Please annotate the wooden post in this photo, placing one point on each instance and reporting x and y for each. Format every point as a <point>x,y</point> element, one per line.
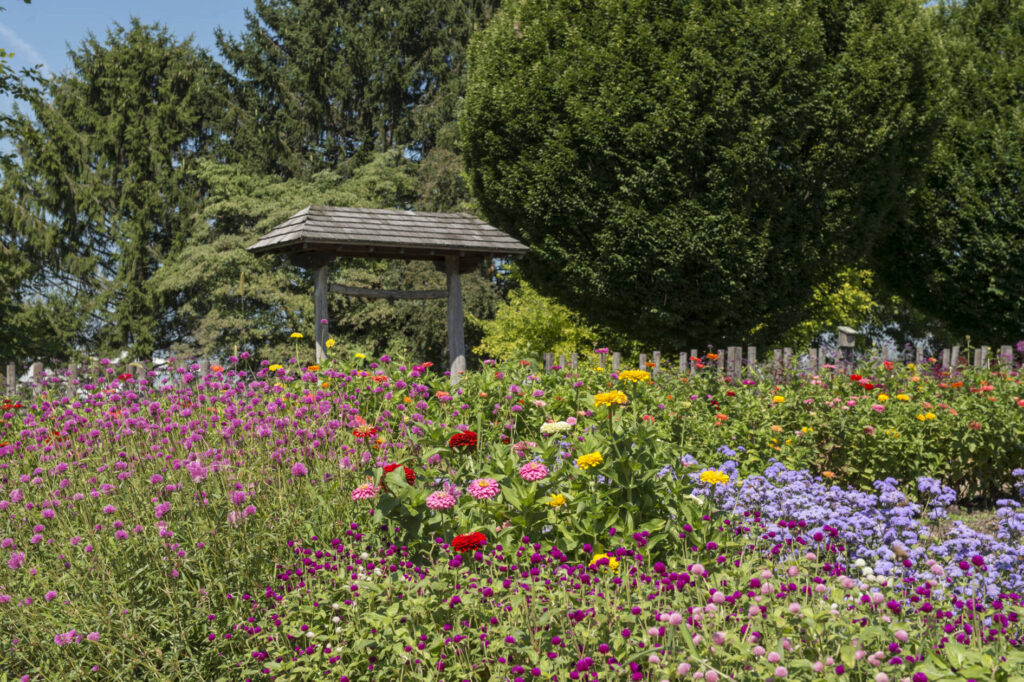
<point>561,362</point>
<point>456,339</point>
<point>693,364</point>
<point>945,358</point>
<point>721,360</point>
<point>549,360</point>
<point>777,362</point>
<point>601,360</point>
<point>954,356</point>
<point>657,362</point>
<point>320,326</point>
<point>72,379</point>
<point>574,361</point>
<point>683,360</point>
<point>12,378</point>
<point>616,359</point>
<point>751,358</point>
<point>733,362</point>
<point>984,357</point>
<point>918,355</point>
<point>1006,356</point>
<point>643,362</point>
<point>787,358</point>
<point>812,361</point>
<point>37,377</point>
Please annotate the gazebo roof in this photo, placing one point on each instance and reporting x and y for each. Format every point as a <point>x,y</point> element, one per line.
<point>377,233</point>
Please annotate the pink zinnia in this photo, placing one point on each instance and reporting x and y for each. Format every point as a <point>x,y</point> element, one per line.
<point>440,500</point>
<point>533,471</point>
<point>366,491</point>
<point>483,488</point>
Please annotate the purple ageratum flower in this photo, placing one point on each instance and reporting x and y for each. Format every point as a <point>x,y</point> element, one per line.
<point>299,469</point>
<point>483,488</point>
<point>532,471</point>
<point>440,500</point>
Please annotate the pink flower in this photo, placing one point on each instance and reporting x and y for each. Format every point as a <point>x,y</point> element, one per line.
<point>299,469</point>
<point>878,408</point>
<point>781,672</point>
<point>440,500</point>
<point>483,488</point>
<point>366,491</point>
<point>533,471</point>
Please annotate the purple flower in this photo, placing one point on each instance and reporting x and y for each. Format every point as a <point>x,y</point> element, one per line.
<point>299,469</point>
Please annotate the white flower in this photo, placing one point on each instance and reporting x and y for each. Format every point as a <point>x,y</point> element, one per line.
<point>860,563</point>
<point>548,428</point>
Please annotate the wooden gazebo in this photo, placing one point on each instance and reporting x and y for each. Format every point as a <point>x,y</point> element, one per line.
<point>457,242</point>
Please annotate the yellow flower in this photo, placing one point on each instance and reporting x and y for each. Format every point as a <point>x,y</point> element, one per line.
<point>296,335</point>
<point>360,356</point>
<point>599,369</point>
<point>610,398</point>
<point>779,399</point>
<point>714,477</point>
<point>882,397</point>
<point>635,375</point>
<point>910,365</point>
<point>589,460</point>
<point>556,501</point>
<point>921,417</point>
<point>274,368</point>
<point>902,396</point>
<point>929,416</point>
<point>330,343</point>
<point>613,563</point>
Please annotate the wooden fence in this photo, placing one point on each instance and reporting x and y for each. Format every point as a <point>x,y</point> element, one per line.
<point>732,361</point>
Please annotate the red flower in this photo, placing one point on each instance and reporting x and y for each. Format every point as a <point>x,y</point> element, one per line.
<point>855,377</point>
<point>365,432</point>
<point>467,543</point>
<point>124,377</point>
<point>868,386</point>
<point>464,439</point>
<point>410,475</point>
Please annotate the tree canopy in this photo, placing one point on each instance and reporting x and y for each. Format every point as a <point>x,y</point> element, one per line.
<point>958,255</point>
<point>688,171</point>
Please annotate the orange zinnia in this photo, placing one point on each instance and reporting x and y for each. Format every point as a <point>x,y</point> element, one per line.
<point>828,474</point>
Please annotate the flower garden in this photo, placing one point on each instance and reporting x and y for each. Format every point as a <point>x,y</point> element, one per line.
<point>366,520</point>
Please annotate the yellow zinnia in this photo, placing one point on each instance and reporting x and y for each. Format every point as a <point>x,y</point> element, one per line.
<point>779,399</point>
<point>714,477</point>
<point>902,396</point>
<point>589,460</point>
<point>330,343</point>
<point>296,335</point>
<point>274,368</point>
<point>882,397</point>
<point>613,563</point>
<point>635,375</point>
<point>610,398</point>
<point>929,415</point>
<point>360,356</point>
<point>556,501</point>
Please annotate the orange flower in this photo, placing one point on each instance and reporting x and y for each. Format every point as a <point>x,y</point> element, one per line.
<point>406,399</point>
<point>313,368</point>
<point>326,384</point>
<point>828,474</point>
<point>722,417</point>
<point>216,368</point>
<point>712,356</point>
<point>957,384</point>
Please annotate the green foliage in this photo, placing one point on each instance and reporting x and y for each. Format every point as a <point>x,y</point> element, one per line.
<point>959,256</point>
<point>846,299</point>
<point>531,324</point>
<point>685,170</point>
<point>319,82</point>
<point>102,193</point>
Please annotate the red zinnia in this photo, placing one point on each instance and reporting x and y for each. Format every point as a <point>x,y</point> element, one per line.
<point>463,439</point>
<point>855,377</point>
<point>365,432</point>
<point>410,475</point>
<point>467,543</point>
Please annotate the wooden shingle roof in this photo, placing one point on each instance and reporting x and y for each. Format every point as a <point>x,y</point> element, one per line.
<point>362,232</point>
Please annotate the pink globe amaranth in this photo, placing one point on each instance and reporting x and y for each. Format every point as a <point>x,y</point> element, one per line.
<point>711,676</point>
<point>781,671</point>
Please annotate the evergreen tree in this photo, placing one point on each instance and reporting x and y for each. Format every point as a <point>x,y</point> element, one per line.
<point>320,81</point>
<point>959,255</point>
<point>687,172</point>
<point>102,194</point>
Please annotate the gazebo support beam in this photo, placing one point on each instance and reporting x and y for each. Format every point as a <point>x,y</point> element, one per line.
<point>456,339</point>
<point>320,311</point>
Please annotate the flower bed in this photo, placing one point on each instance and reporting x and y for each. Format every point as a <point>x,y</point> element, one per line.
<point>144,527</point>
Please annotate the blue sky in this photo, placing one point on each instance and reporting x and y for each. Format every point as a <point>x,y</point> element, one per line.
<point>40,33</point>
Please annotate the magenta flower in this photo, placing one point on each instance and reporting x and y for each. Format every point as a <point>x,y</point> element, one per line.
<point>533,471</point>
<point>161,509</point>
<point>483,488</point>
<point>366,491</point>
<point>440,500</point>
<point>16,561</point>
<point>299,469</point>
